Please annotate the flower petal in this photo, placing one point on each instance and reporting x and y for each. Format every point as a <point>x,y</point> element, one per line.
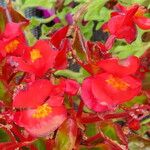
<point>120,68</point>
<point>58,36</point>
<point>112,94</point>
<point>40,127</point>
<point>89,100</point>
<point>71,87</point>
<point>142,22</point>
<point>33,95</point>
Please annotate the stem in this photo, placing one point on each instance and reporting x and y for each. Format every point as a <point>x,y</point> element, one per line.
<point>111,142</point>
<point>15,130</point>
<point>11,77</point>
<point>93,138</point>
<point>92,119</point>
<point>21,79</point>
<point>8,16</point>
<point>80,109</point>
<point>86,120</point>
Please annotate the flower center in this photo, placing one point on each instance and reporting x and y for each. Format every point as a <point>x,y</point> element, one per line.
<point>10,47</point>
<point>117,83</point>
<point>42,111</point>
<point>35,54</point>
<point>140,12</point>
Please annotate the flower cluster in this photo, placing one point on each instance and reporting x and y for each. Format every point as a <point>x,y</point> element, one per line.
<point>40,98</point>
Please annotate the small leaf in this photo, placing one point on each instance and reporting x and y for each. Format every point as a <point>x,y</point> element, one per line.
<point>94,9</point>
<point>3,136</point>
<point>40,144</point>
<point>66,135</point>
<point>137,100</point>
<point>3,90</point>
<point>78,76</point>
<point>78,45</point>
<point>35,3</point>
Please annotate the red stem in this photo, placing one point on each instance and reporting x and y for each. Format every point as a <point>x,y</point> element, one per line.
<point>80,109</point>
<point>85,120</point>
<point>92,119</point>
<point>15,130</point>
<point>21,79</point>
<point>93,138</point>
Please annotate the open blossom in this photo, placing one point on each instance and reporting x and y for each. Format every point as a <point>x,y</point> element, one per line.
<point>44,55</point>
<point>39,111</point>
<point>12,40</point>
<point>114,86</point>
<point>36,59</point>
<point>122,24</point>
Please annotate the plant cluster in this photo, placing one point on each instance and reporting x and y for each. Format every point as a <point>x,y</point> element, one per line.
<point>102,104</point>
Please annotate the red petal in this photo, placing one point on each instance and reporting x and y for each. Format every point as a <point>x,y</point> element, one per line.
<point>33,95</point>
<point>55,100</point>
<point>39,66</point>
<point>42,126</point>
<point>58,36</point>
<point>71,87</point>
<point>142,22</point>
<point>89,100</point>
<point>112,96</point>
<point>61,59</point>
<point>122,28</point>
<point>120,8</point>
<point>12,33</point>
<point>110,41</point>
<point>121,68</point>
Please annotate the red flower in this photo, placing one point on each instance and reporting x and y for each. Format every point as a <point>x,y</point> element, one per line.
<point>123,23</point>
<point>36,59</point>
<point>114,86</point>
<point>12,40</point>
<point>39,114</point>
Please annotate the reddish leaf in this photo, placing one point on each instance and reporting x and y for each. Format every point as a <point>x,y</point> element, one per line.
<point>66,135</point>
<point>78,45</point>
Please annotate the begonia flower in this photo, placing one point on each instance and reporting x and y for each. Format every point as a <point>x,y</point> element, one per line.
<point>12,40</point>
<point>113,86</point>
<point>36,59</point>
<point>36,111</point>
<point>122,24</point>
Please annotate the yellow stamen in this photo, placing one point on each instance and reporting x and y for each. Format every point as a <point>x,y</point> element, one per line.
<point>35,54</point>
<point>42,111</point>
<point>10,47</point>
<point>117,83</point>
<point>140,12</point>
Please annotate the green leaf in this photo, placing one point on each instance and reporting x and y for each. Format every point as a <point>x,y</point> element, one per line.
<point>3,90</point>
<point>91,129</point>
<point>67,2</point>
<point>2,20</point>
<point>35,3</point>
<point>109,130</point>
<point>40,144</point>
<point>78,76</point>
<point>103,12</point>
<point>138,143</point>
<point>94,9</point>
<point>136,48</point>
<point>3,136</point>
<point>66,135</point>
<point>85,29</point>
<point>30,37</point>
<point>137,100</point>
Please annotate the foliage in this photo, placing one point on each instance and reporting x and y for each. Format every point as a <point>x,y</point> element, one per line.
<point>80,82</point>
